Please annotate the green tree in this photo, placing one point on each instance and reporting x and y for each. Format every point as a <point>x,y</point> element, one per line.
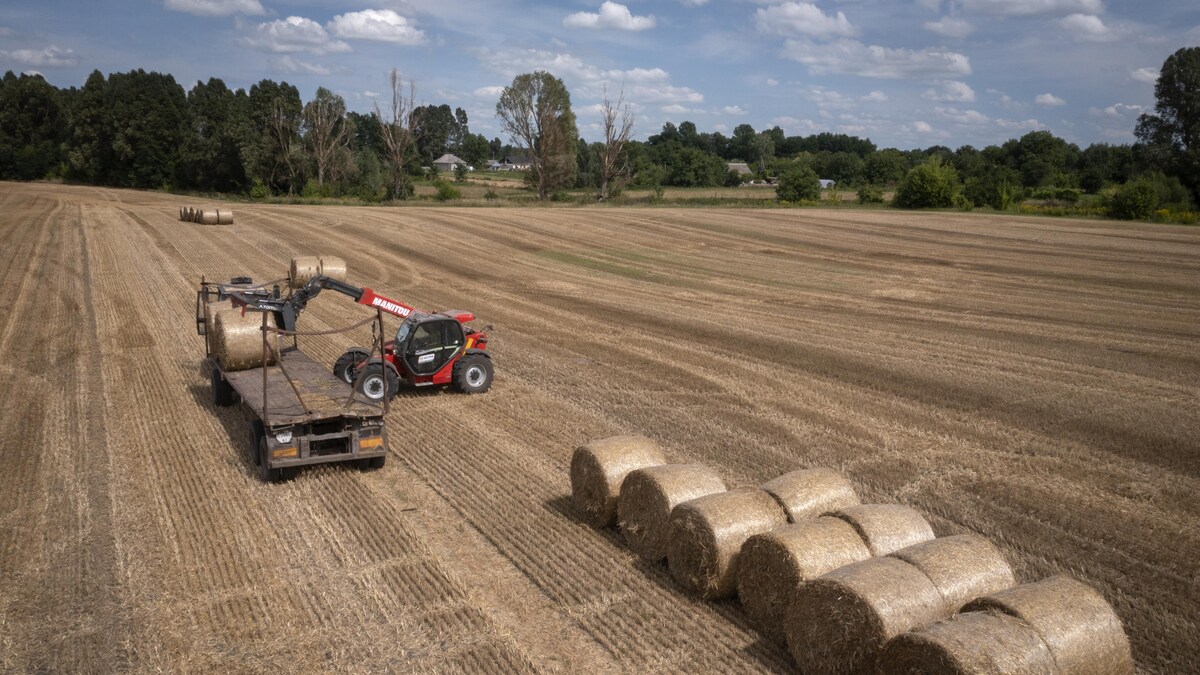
<point>1134,201</point>
<point>932,185</point>
<point>212,157</point>
<point>273,151</point>
<point>798,183</point>
<point>32,127</point>
<point>1171,136</point>
<point>999,188</point>
<point>886,167</point>
<point>434,127</point>
<point>535,111</point>
<point>326,133</point>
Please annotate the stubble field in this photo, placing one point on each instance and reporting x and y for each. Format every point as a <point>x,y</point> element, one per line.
<point>1035,381</point>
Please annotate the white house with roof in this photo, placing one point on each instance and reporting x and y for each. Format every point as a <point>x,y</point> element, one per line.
<point>447,162</point>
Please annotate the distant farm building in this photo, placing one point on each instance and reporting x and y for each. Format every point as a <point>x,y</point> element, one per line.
<point>447,162</point>
<point>827,183</point>
<point>742,168</point>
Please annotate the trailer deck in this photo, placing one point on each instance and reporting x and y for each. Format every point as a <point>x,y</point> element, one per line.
<point>312,394</point>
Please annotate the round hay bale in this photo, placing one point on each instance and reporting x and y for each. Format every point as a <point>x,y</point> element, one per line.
<point>840,622</point>
<point>597,469</point>
<point>208,217</point>
<point>1077,624</point>
<point>304,268</point>
<point>963,567</point>
<point>237,340</point>
<point>224,217</point>
<point>774,564</point>
<point>810,492</point>
<point>975,643</point>
<point>886,527</point>
<point>648,496</point>
<point>334,268</point>
<point>706,537</point>
<point>181,213</point>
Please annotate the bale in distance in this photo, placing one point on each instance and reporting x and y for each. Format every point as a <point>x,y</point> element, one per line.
<point>597,469</point>
<point>974,643</point>
<point>181,213</point>
<point>839,623</point>
<point>224,217</point>
<point>706,537</point>
<point>963,567</point>
<point>886,527</point>
<point>304,268</point>
<point>333,267</point>
<point>808,493</point>
<point>647,497</point>
<point>208,217</point>
<point>237,340</point>
<point>774,564</point>
<point>1077,624</point>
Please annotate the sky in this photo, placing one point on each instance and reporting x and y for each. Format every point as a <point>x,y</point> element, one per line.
<point>906,73</point>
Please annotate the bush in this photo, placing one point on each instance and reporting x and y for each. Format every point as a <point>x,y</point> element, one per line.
<point>460,173</point>
<point>491,195</point>
<point>1134,201</point>
<point>869,194</point>
<point>932,185</point>
<point>733,178</point>
<point>259,190</point>
<point>446,192</point>
<point>797,184</point>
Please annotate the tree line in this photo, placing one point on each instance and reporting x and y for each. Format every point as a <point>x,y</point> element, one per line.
<point>142,129</point>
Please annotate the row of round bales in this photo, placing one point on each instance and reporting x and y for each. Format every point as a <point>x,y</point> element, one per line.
<point>235,337</point>
<point>849,587</point>
<point>191,214</point>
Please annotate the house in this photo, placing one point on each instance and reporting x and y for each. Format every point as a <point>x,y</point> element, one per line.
<point>827,183</point>
<point>494,165</point>
<point>517,160</point>
<point>447,162</point>
<point>742,168</point>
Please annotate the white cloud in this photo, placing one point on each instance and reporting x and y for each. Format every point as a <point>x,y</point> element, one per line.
<point>642,85</point>
<point>950,27</point>
<point>1032,7</point>
<point>973,117</point>
<point>828,98</point>
<point>1049,99</point>
<point>1087,28</point>
<point>1147,75</point>
<point>295,34</point>
<point>772,82</point>
<point>875,97</point>
<point>795,125</point>
<point>693,3</point>
<point>50,57</point>
<point>216,7</point>
<point>493,92</point>
<point>1121,110</point>
<point>850,57</point>
<point>289,65</point>
<point>802,18</point>
<point>676,109</point>
<point>733,110</point>
<point>612,15</point>
<point>383,25</point>
<point>922,127</point>
<point>951,91</point>
<point>5,31</point>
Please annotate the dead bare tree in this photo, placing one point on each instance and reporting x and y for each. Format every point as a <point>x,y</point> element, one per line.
<point>283,127</point>
<point>618,123</point>
<point>325,130</point>
<point>397,133</point>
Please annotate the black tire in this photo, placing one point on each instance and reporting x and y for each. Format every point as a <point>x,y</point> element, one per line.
<point>473,374</point>
<point>376,462</point>
<point>343,368</point>
<point>223,393</point>
<point>265,473</point>
<point>377,381</point>
<point>256,432</point>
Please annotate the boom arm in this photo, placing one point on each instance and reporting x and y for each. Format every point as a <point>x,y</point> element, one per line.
<point>288,309</point>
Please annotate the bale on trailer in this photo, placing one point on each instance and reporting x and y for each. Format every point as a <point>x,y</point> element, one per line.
<point>237,340</point>
<point>886,527</point>
<point>224,217</point>
<point>210,310</point>
<point>597,469</point>
<point>974,643</point>
<point>333,267</point>
<point>304,268</point>
<point>810,492</point>
<point>839,622</point>
<point>963,567</point>
<point>647,497</point>
<point>1077,624</point>
<point>706,537</point>
<point>773,565</point>
<point>208,217</point>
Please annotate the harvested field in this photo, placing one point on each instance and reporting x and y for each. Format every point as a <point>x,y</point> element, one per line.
<point>1033,381</point>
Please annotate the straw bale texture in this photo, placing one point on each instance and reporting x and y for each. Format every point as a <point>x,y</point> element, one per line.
<point>224,217</point>
<point>1076,622</point>
<point>181,210</point>
<point>648,496</point>
<point>975,643</point>
<point>963,567</point>
<point>810,492</point>
<point>210,309</point>
<point>772,565</point>
<point>237,340</point>
<point>333,267</point>
<point>208,217</point>
<point>887,527</point>
<point>597,469</point>
<point>839,622</point>
<point>304,268</point>
<point>706,537</point>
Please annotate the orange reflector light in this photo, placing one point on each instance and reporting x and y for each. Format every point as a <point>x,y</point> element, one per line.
<point>370,442</point>
<point>285,452</point>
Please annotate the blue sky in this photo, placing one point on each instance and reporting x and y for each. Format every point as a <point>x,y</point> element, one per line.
<point>906,74</point>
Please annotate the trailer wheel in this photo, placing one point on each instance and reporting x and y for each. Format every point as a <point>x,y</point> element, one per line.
<point>376,462</point>
<point>256,432</point>
<point>223,393</point>
<point>343,368</point>
<point>267,474</point>
<point>473,374</point>
<point>377,381</point>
